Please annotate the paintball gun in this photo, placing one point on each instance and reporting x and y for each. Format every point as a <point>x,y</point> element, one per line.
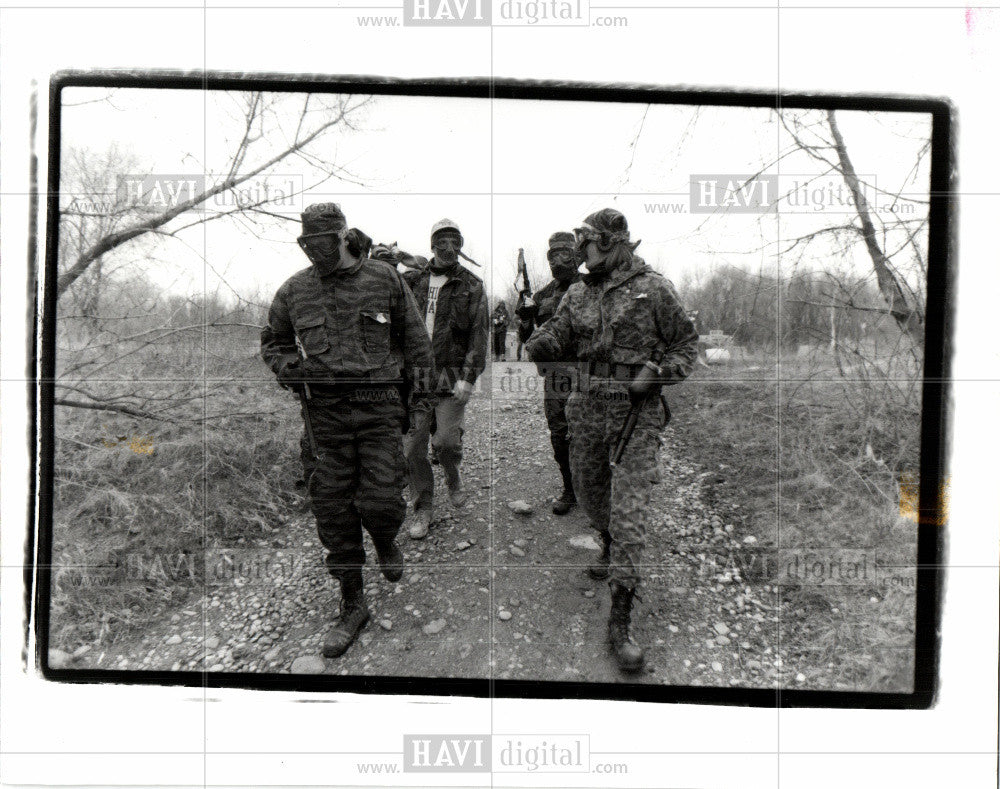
<point>305,395</point>
<point>646,384</point>
<point>522,272</point>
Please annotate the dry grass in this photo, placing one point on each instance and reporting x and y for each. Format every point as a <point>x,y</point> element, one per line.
<point>814,464</point>
<point>823,452</point>
<point>132,519</point>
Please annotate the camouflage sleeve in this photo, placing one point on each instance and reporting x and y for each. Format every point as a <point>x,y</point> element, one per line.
<point>678,336</point>
<point>475,354</point>
<point>553,340</point>
<point>418,359</point>
<point>277,339</point>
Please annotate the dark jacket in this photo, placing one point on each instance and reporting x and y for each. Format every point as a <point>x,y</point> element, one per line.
<point>546,301</point>
<point>359,325</point>
<point>529,318</point>
<point>461,324</point>
<point>501,318</point>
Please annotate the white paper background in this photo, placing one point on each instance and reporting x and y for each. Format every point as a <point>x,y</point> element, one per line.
<point>97,735</point>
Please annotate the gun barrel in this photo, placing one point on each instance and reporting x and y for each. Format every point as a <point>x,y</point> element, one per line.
<point>627,429</point>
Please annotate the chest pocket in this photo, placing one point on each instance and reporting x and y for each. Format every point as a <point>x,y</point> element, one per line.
<point>632,320</point>
<point>310,328</point>
<point>375,326</point>
<point>458,306</point>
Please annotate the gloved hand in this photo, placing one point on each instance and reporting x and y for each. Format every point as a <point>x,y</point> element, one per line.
<point>292,376</point>
<point>526,307</point>
<point>462,391</point>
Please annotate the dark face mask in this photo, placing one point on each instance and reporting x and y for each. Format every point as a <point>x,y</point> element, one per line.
<point>323,252</point>
<point>445,253</point>
<point>563,265</point>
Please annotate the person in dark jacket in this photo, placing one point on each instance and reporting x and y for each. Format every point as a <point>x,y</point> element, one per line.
<point>501,320</point>
<point>452,301</point>
<point>348,336</point>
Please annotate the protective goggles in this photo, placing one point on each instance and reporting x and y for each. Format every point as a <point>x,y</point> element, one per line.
<point>584,235</point>
<point>449,241</point>
<point>561,253</point>
<point>321,242</point>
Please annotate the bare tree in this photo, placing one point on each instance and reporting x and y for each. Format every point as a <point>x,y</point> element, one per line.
<point>819,136</point>
<point>101,234</point>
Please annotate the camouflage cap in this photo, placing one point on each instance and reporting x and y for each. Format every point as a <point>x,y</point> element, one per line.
<point>322,218</point>
<point>609,223</point>
<point>561,240</point>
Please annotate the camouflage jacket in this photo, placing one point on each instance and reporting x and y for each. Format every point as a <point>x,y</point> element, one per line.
<point>621,319</point>
<point>546,301</point>
<point>461,324</point>
<point>529,318</point>
<point>358,325</point>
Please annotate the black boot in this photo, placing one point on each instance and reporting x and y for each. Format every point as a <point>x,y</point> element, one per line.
<point>567,499</point>
<point>564,503</point>
<point>628,654</point>
<point>599,569</point>
<point>390,559</point>
<point>353,613</point>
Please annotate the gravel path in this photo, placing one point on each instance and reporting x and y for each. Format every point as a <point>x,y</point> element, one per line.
<point>509,602</point>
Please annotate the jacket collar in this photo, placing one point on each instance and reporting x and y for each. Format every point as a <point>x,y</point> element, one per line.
<point>619,276</point>
<point>454,273</point>
<point>566,283</point>
<point>340,272</point>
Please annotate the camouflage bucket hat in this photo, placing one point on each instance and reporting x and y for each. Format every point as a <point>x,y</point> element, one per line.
<point>322,219</point>
<point>607,227</point>
<point>561,240</point>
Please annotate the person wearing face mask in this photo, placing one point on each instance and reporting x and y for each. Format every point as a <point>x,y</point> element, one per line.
<point>453,302</point>
<point>559,376</point>
<point>620,319</point>
<point>347,335</point>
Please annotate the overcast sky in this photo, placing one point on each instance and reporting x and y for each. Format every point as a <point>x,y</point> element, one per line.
<point>508,172</point>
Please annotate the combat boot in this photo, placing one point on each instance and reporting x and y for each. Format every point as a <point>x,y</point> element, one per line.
<point>629,655</point>
<point>353,613</point>
<point>567,499</point>
<point>564,503</point>
<point>599,569</point>
<point>390,559</point>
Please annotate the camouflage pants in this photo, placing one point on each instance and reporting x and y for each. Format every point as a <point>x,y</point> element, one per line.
<point>557,391</point>
<point>358,480</point>
<point>615,499</point>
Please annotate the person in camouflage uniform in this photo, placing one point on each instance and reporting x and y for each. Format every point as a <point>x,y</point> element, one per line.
<point>559,377</point>
<point>619,317</point>
<point>347,335</point>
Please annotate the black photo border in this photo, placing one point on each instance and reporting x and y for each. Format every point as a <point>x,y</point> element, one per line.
<point>942,247</point>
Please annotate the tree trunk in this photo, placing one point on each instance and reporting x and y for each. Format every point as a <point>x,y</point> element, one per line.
<point>908,318</point>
